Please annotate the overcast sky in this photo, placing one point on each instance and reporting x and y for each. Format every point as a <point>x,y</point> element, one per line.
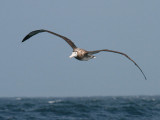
<point>41,66</point>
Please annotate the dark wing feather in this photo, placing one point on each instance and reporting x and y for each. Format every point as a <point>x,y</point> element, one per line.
<point>97,51</point>
<point>39,31</point>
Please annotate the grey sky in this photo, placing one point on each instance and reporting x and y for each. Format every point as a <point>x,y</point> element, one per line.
<point>41,66</point>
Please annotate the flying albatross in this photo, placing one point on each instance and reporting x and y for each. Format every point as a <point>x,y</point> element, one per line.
<point>79,53</point>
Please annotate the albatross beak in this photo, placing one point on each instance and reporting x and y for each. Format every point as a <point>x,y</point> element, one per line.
<point>70,56</point>
<point>74,54</point>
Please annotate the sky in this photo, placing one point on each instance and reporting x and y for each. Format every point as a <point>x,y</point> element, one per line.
<point>41,67</point>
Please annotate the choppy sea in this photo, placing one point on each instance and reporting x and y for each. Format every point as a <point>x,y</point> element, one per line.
<point>81,108</point>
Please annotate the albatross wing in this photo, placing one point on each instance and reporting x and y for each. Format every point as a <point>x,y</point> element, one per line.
<point>39,31</point>
<point>97,51</point>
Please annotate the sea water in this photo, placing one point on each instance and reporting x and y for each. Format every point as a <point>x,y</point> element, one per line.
<point>81,108</point>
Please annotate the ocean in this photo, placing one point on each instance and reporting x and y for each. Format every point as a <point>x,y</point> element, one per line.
<point>81,108</point>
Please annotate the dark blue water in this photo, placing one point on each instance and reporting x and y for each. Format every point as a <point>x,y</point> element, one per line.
<point>81,108</point>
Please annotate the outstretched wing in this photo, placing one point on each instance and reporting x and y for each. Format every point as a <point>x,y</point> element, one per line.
<point>39,31</point>
<point>97,51</point>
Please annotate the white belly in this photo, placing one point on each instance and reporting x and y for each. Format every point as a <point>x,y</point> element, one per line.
<point>87,58</point>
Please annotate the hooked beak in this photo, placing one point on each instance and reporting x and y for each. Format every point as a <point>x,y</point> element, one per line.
<point>72,55</point>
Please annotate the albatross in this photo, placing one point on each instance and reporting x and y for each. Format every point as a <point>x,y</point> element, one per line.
<point>79,53</point>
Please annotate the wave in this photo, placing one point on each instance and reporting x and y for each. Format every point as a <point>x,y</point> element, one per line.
<point>129,108</point>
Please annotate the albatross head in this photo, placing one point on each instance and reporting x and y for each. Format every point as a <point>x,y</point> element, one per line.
<point>74,54</point>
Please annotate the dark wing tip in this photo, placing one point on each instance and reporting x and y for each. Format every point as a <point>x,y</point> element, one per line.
<point>32,34</point>
<point>145,77</point>
<point>25,38</point>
